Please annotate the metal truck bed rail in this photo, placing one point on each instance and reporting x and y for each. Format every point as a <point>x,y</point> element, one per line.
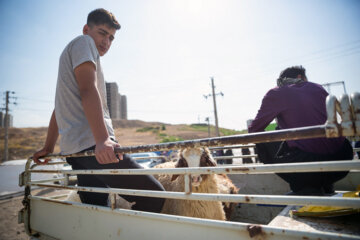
<point>49,218</point>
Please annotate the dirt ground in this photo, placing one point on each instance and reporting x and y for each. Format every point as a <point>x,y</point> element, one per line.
<point>9,227</point>
<point>9,208</point>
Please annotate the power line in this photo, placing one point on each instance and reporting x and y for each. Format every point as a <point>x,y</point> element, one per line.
<point>331,53</point>
<point>30,109</point>
<point>35,100</point>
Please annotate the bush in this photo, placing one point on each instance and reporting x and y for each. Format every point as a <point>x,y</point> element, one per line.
<point>147,129</point>
<point>171,139</point>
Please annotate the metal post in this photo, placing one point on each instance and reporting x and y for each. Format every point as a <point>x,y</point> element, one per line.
<point>208,121</point>
<point>6,151</point>
<point>215,111</point>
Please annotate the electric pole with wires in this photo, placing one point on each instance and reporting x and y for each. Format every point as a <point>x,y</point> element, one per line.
<point>214,101</point>
<point>6,121</point>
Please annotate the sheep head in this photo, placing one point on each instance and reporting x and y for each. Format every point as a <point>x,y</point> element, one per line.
<point>194,157</point>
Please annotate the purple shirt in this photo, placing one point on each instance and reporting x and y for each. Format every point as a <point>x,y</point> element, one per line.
<point>297,105</point>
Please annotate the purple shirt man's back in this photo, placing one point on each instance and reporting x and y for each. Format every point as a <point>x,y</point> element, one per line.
<point>297,105</point>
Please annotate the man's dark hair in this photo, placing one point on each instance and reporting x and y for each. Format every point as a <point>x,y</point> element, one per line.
<point>293,72</point>
<point>101,16</point>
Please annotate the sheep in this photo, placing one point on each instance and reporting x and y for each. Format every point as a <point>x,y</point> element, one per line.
<point>120,202</point>
<point>195,157</point>
<point>226,186</point>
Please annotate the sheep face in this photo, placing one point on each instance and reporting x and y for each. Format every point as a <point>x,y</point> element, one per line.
<point>195,157</point>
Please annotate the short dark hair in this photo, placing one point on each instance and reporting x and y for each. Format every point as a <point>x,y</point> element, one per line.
<point>101,16</point>
<point>293,72</point>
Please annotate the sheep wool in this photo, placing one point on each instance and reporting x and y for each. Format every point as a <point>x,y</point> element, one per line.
<point>191,208</point>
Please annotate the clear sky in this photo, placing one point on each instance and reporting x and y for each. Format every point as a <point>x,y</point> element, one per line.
<point>167,50</point>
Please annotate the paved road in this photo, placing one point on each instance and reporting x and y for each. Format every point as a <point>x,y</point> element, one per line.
<point>9,176</point>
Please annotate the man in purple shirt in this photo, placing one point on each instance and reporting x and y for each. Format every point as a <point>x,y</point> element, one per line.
<point>294,103</point>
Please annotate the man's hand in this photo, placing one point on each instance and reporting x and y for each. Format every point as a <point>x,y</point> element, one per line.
<point>41,153</point>
<point>104,152</point>
<point>52,135</point>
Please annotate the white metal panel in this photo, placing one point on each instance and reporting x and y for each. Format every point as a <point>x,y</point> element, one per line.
<point>80,221</point>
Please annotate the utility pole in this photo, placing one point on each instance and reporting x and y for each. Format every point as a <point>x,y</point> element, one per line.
<point>214,101</point>
<point>208,121</point>
<point>6,120</point>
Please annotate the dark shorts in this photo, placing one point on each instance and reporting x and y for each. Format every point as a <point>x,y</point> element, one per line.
<point>143,182</point>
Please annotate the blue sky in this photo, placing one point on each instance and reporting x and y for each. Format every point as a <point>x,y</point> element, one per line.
<point>166,51</point>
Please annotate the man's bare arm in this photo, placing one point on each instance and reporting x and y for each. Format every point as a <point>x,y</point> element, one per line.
<point>85,75</point>
<point>52,136</point>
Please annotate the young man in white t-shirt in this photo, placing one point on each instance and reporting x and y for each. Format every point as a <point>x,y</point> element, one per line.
<point>82,118</point>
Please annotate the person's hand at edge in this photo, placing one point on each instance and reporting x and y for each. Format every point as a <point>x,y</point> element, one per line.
<point>104,152</point>
<point>41,153</point>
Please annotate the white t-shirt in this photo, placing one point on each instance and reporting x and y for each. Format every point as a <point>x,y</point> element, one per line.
<point>73,126</point>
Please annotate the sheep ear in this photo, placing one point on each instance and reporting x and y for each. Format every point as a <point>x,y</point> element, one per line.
<point>174,177</point>
<point>209,161</point>
<point>180,164</point>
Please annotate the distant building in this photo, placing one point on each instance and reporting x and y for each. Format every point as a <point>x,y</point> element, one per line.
<point>117,103</point>
<point>112,94</point>
<point>123,107</point>
<point>2,120</point>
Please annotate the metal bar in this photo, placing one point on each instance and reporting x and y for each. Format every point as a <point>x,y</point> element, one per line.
<point>237,156</point>
<point>112,200</point>
<point>66,181</point>
<point>49,163</point>
<point>233,147</point>
<point>46,180</point>
<point>187,183</point>
<point>332,166</point>
<point>347,117</point>
<point>242,198</point>
<point>271,136</point>
<point>70,178</point>
<point>156,157</point>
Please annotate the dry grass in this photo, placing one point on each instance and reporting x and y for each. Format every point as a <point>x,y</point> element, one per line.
<point>23,142</point>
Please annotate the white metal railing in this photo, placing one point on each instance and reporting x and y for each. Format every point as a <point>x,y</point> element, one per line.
<point>233,147</point>
<point>249,169</point>
<point>350,126</point>
<point>234,156</point>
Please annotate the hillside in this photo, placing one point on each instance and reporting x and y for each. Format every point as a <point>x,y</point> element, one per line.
<point>23,142</point>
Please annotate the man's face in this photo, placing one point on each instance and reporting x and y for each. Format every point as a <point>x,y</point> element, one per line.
<point>103,36</point>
